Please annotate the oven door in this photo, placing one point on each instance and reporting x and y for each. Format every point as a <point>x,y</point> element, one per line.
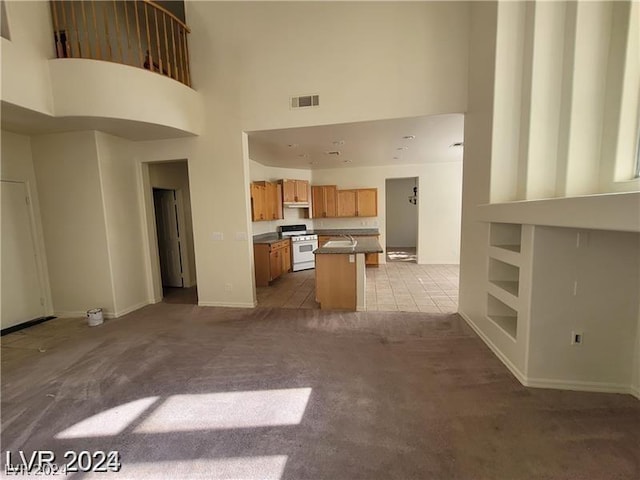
<point>303,256</point>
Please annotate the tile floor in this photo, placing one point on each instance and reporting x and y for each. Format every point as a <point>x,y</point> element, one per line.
<point>396,286</point>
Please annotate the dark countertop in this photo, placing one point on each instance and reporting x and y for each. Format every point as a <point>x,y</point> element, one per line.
<point>267,238</point>
<point>363,245</point>
<point>346,231</point>
<point>272,237</point>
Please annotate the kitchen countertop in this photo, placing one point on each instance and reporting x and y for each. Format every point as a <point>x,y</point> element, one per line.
<point>346,231</point>
<point>363,245</point>
<point>267,238</point>
<point>272,237</point>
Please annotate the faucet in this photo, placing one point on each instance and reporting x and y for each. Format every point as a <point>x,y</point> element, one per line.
<point>349,237</point>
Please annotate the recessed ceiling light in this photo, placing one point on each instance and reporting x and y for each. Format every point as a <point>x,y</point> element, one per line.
<point>409,137</point>
<point>457,144</point>
<point>292,145</point>
<point>402,148</point>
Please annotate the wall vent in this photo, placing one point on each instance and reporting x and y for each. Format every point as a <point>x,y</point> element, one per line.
<point>304,101</point>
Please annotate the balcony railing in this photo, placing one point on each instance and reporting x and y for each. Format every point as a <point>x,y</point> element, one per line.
<point>131,32</point>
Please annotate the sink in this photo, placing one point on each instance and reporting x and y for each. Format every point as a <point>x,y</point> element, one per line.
<point>340,244</point>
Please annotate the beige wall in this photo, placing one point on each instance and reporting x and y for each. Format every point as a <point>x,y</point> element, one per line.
<point>72,207</point>
<point>17,165</point>
<point>175,176</point>
<point>123,222</point>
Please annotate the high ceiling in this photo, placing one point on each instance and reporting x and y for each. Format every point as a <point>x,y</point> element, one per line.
<point>374,143</point>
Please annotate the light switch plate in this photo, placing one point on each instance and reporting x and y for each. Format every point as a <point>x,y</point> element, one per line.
<point>217,236</point>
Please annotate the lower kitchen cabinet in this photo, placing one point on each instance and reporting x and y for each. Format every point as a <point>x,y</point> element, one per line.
<point>271,261</point>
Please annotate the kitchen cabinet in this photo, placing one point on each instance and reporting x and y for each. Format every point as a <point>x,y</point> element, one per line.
<point>271,261</point>
<point>324,203</point>
<point>266,201</point>
<point>361,202</point>
<point>295,191</point>
<point>258,198</point>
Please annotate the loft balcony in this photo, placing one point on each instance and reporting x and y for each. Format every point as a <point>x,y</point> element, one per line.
<point>138,33</point>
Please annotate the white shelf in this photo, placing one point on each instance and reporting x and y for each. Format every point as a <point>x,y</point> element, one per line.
<point>507,285</point>
<point>501,314</point>
<point>509,299</point>
<point>507,256</point>
<point>508,323</point>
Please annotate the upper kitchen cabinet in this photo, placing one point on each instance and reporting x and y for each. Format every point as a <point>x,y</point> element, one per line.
<point>266,201</point>
<point>324,202</point>
<point>367,202</point>
<point>295,191</point>
<point>362,202</point>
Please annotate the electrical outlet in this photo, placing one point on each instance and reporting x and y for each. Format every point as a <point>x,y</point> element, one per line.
<point>217,236</point>
<point>577,338</point>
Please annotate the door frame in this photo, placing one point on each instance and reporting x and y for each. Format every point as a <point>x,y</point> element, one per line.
<point>150,234</point>
<point>418,217</point>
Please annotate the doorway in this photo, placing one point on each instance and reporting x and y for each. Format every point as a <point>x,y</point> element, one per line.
<point>174,251</point>
<point>402,219</point>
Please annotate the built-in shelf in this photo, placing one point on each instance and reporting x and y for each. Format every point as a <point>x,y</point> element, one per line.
<point>503,316</point>
<point>506,236</point>
<point>508,256</point>
<point>509,286</point>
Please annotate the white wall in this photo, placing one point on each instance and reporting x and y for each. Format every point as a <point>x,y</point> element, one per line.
<point>25,73</point>
<point>87,88</point>
<point>439,204</point>
<point>402,225</point>
<point>17,165</point>
<point>72,208</point>
<point>175,176</point>
<point>606,267</point>
<point>123,222</point>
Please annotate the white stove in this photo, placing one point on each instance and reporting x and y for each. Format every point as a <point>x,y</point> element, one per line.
<point>302,244</point>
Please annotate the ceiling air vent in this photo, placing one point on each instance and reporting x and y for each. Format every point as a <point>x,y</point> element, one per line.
<point>304,101</point>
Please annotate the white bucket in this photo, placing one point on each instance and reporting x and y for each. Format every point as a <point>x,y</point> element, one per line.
<point>94,317</point>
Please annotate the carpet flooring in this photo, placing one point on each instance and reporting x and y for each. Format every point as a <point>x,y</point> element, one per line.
<point>182,391</point>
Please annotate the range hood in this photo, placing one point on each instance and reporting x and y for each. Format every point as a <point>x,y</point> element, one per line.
<point>295,204</point>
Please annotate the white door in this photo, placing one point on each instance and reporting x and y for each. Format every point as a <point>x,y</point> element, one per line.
<point>168,237</point>
<point>22,298</point>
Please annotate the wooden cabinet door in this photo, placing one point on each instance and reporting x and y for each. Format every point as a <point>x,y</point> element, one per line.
<point>279,212</point>
<point>346,203</point>
<point>302,191</point>
<point>286,257</point>
<point>275,263</point>
<point>367,202</point>
<point>257,202</point>
<point>288,191</point>
<point>317,202</point>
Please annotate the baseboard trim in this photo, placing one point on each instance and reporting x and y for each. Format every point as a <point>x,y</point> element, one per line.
<point>575,385</point>
<point>130,309</point>
<point>227,304</point>
<point>578,385</point>
<point>27,324</point>
<point>512,368</point>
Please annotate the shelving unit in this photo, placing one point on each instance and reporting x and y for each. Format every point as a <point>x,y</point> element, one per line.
<point>502,315</point>
<point>504,276</point>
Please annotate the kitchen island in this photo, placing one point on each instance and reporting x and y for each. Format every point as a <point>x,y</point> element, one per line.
<point>341,274</point>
